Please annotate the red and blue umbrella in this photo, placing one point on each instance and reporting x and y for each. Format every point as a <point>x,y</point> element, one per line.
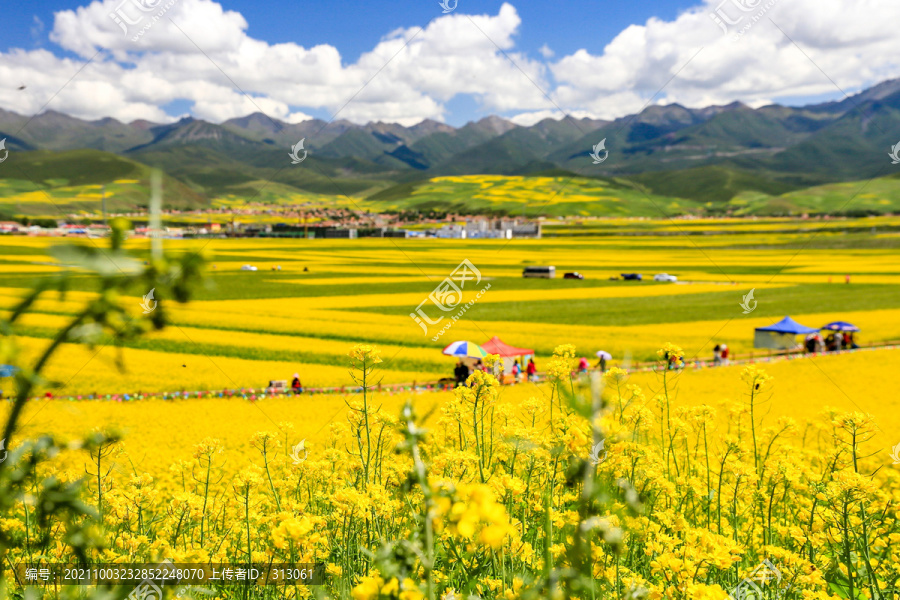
<point>465,350</point>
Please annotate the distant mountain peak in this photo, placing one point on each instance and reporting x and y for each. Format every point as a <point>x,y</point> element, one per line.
<point>258,122</point>
<point>498,125</point>
<point>432,126</point>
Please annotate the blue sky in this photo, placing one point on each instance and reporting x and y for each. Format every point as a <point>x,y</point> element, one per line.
<point>608,58</point>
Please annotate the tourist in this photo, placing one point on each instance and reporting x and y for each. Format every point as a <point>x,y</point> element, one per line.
<point>848,342</point>
<point>673,361</point>
<point>583,365</point>
<point>462,373</point>
<point>717,354</point>
<point>601,364</point>
<point>811,343</point>
<point>516,369</point>
<point>296,386</point>
<point>531,370</point>
<point>724,354</point>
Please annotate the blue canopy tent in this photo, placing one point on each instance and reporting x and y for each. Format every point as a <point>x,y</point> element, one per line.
<point>781,335</point>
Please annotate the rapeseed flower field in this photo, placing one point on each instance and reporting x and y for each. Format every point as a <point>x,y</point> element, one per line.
<point>775,477</point>
<point>310,298</point>
<point>499,493</point>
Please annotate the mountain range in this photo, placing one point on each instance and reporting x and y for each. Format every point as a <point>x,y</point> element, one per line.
<point>710,154</point>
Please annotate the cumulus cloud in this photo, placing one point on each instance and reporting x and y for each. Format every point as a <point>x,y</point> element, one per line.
<point>151,53</point>
<point>696,62</point>
<point>160,51</point>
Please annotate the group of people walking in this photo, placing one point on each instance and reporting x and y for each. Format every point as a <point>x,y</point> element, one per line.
<point>833,342</point>
<point>584,366</point>
<point>462,371</point>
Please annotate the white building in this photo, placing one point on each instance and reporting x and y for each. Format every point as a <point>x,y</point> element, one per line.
<point>485,229</point>
<point>453,232</point>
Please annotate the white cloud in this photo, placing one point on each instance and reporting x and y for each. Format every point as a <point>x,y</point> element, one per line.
<point>530,118</point>
<point>195,50</point>
<point>37,29</point>
<point>199,52</point>
<point>297,117</point>
<point>763,64</point>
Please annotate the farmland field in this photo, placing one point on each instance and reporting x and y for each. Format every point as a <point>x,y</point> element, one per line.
<point>802,389</point>
<point>246,328</point>
<point>336,478</point>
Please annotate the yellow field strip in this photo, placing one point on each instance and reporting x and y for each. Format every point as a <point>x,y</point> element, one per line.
<point>291,306</point>
<point>84,371</point>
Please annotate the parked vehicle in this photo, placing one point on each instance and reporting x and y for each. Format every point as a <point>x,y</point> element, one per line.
<point>573,275</point>
<point>545,272</point>
<point>632,277</point>
<point>665,277</point>
<point>248,268</point>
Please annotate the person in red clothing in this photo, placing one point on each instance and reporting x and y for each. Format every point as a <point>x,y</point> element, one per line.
<point>848,341</point>
<point>531,370</point>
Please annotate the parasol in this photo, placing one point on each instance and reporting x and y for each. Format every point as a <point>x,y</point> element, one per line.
<point>465,350</point>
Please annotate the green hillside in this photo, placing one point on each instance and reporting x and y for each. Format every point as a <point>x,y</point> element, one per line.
<point>665,160</point>
<point>876,196</point>
<point>709,183</point>
<point>704,190</point>
<point>558,196</point>
<point>55,183</point>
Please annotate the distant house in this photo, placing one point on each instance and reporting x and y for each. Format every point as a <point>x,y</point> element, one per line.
<point>334,233</point>
<point>453,232</point>
<point>489,229</point>
<point>383,232</point>
<point>526,229</point>
<point>10,227</point>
